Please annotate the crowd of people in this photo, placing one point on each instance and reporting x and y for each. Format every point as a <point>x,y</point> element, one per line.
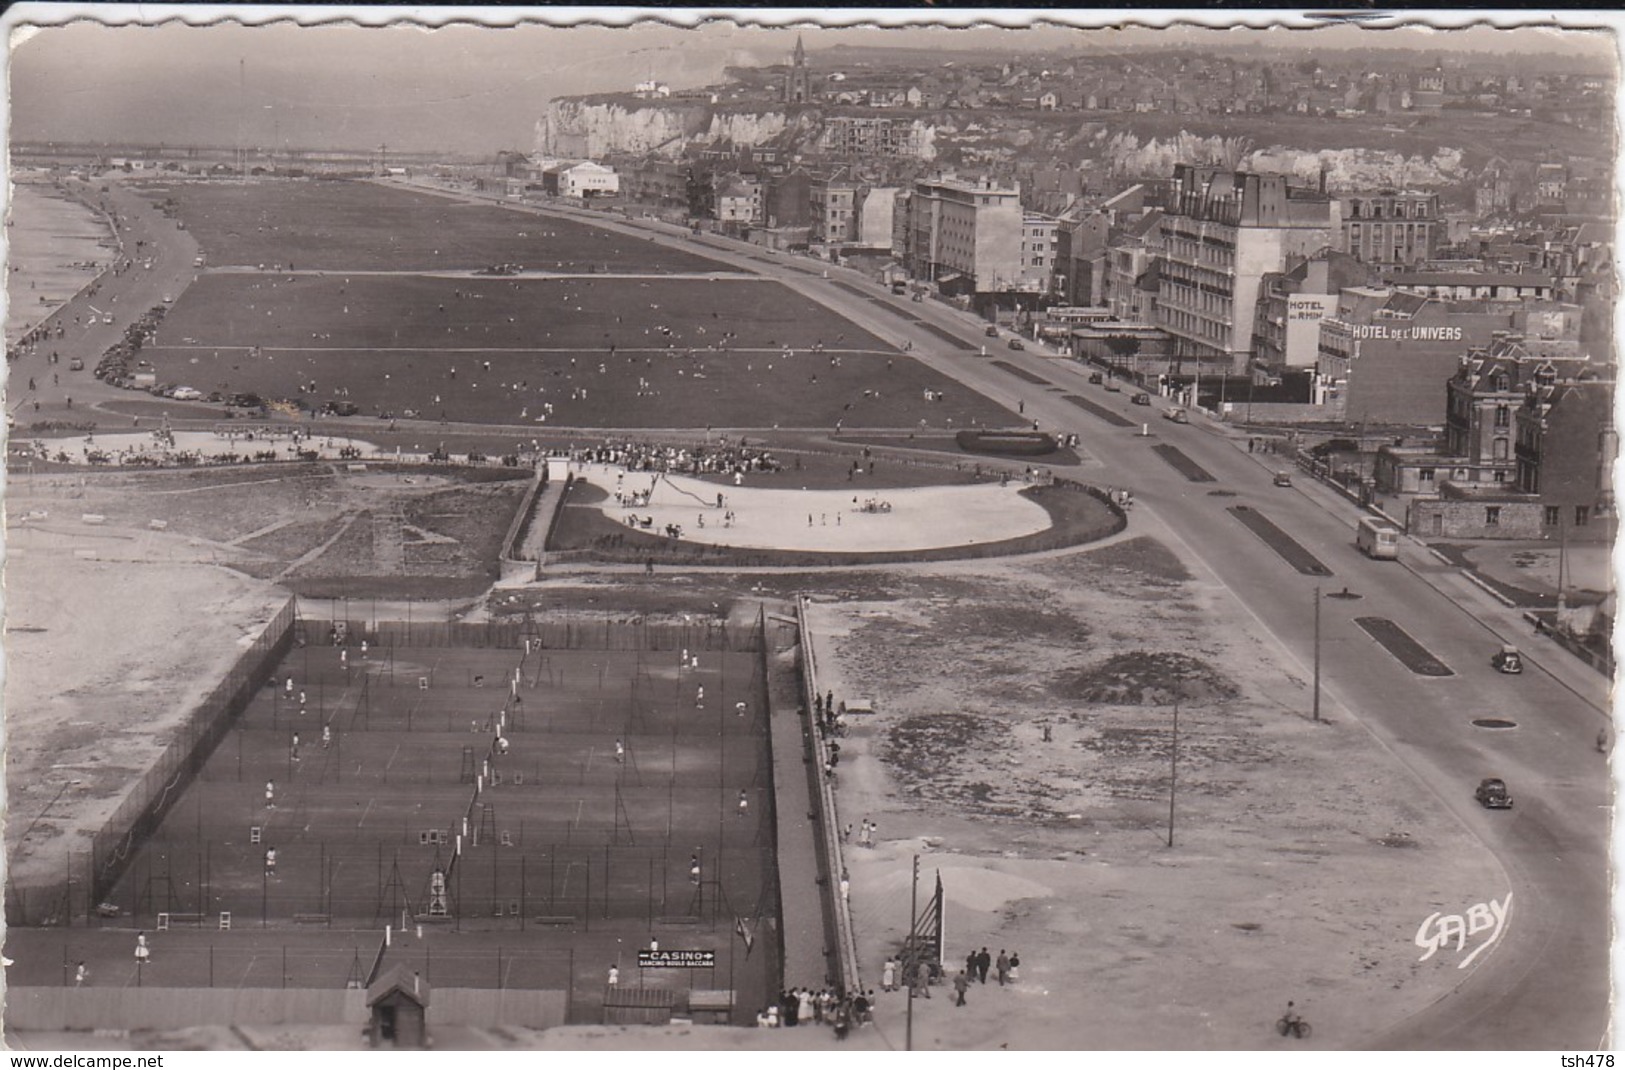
<point>724,459</point>
<point>803,1006</point>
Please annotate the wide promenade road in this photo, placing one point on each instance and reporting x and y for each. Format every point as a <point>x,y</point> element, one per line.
<point>1544,984</point>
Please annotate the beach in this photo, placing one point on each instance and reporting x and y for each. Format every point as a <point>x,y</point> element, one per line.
<point>54,247</point>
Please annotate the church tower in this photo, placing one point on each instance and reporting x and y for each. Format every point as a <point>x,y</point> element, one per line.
<point>797,84</point>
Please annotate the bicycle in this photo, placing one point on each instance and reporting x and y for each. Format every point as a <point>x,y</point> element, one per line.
<point>1293,1026</point>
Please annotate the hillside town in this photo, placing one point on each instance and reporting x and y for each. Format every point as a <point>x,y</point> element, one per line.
<point>1444,322</point>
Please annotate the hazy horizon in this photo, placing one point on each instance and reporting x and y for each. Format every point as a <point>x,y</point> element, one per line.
<point>477,89</point>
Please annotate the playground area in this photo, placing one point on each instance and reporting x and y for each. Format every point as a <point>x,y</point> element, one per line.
<point>525,804</point>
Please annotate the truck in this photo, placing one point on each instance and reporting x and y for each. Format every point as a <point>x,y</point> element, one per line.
<point>1377,539</point>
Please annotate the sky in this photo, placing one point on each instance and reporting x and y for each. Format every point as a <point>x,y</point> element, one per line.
<point>476,88</point>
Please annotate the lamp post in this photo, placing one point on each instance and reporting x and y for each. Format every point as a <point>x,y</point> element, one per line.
<point>1317,654</point>
<point>1173,771</point>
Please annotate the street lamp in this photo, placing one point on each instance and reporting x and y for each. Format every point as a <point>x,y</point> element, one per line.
<point>1317,654</point>
<point>1173,771</point>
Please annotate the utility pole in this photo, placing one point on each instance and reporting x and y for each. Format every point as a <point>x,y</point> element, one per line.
<point>1317,653</point>
<point>911,963</point>
<point>1173,772</point>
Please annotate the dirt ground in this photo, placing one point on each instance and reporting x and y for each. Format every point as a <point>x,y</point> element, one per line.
<point>157,635</point>
<point>1300,869</point>
<point>115,629</point>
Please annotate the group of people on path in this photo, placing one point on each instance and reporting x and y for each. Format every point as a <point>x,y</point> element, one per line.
<point>1007,968</point>
<point>803,1006</point>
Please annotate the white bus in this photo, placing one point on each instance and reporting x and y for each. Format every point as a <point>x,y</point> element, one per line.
<point>1377,539</point>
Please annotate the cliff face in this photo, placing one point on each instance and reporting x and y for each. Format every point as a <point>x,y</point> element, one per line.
<point>592,129</point>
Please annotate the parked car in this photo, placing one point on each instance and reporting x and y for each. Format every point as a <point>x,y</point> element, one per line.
<point>991,331</point>
<point>1096,378</point>
<point>1492,794</point>
<point>186,393</point>
<point>1176,414</point>
<point>1283,479</point>
<point>1112,387</point>
<point>1141,399</point>
<point>1015,343</point>
<point>1508,660</point>
<point>341,408</point>
<point>76,365</point>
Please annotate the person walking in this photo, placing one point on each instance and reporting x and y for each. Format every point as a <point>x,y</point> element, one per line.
<point>983,962</point>
<point>1015,967</point>
<point>961,985</point>
<point>614,976</point>
<point>80,974</point>
<point>744,802</point>
<point>143,953</point>
<point>270,795</point>
<point>694,870</point>
<point>888,976</point>
<point>1002,966</point>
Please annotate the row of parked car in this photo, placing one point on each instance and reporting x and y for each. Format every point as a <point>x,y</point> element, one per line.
<point>121,360</point>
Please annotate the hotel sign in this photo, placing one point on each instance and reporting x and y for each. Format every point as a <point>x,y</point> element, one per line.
<point>1406,334</point>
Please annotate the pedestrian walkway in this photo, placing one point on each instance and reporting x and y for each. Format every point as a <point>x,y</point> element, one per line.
<point>548,504</point>
<point>800,895</point>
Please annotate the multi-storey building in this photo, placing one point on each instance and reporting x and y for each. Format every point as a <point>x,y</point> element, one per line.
<point>964,235</point>
<point>870,136</point>
<point>1222,232</point>
<point>1391,228</point>
<point>1385,358</point>
<point>1131,270</point>
<point>1565,445</point>
<point>832,204</point>
<point>1467,285</point>
<point>1081,252</point>
<point>1293,304</point>
<point>740,201</point>
<point>1037,253</point>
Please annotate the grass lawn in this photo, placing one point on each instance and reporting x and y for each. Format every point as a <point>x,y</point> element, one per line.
<point>333,225</point>
<point>623,354</point>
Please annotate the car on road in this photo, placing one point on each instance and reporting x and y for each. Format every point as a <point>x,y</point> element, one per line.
<point>991,331</point>
<point>1492,794</point>
<point>1176,414</point>
<point>1508,660</point>
<point>1283,479</point>
<point>1112,387</point>
<point>1141,399</point>
<point>76,365</point>
<point>186,393</point>
<point>1015,343</point>
<point>169,299</point>
<point>341,408</point>
<point>1095,378</point>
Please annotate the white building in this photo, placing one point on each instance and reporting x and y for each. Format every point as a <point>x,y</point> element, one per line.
<point>581,180</point>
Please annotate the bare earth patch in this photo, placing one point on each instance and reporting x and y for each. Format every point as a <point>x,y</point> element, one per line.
<point>1023,745</point>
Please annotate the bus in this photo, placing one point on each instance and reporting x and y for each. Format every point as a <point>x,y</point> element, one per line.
<point>1377,539</point>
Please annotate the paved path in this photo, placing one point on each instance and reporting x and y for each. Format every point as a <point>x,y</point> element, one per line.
<point>800,894</point>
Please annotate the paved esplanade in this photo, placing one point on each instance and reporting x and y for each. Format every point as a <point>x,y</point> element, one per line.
<point>769,515</point>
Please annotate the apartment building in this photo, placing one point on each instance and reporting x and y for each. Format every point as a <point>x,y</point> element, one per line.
<point>1221,233</point>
